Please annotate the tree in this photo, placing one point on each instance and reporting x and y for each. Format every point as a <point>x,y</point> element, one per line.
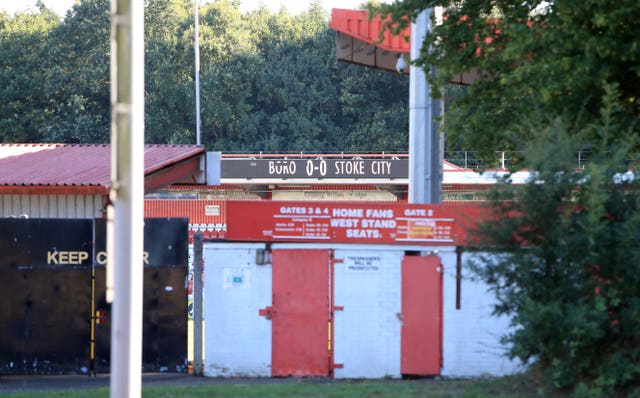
<point>373,106</point>
<point>169,65</point>
<point>25,111</point>
<point>563,259</point>
<point>538,60</point>
<point>269,81</point>
<point>280,89</point>
<point>563,262</point>
<point>77,80</point>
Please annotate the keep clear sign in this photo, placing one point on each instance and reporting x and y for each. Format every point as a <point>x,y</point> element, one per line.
<point>363,263</point>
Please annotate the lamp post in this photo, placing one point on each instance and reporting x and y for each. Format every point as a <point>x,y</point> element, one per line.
<point>425,159</point>
<point>127,195</point>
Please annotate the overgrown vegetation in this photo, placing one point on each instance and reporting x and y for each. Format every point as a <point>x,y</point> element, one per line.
<point>539,60</point>
<point>562,252</point>
<point>564,261</point>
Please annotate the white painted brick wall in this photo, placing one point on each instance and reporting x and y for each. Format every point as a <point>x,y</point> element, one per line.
<point>367,332</point>
<point>471,341</point>
<point>237,339</point>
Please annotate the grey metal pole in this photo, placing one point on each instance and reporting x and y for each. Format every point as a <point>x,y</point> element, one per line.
<point>425,161</point>
<point>127,194</point>
<point>197,304</point>
<point>196,50</point>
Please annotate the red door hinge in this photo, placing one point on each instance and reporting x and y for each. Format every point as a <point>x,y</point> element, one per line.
<point>266,312</point>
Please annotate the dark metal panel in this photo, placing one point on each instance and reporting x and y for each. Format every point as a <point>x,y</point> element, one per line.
<point>45,242</point>
<point>165,241</point>
<point>164,325</point>
<point>51,335</point>
<point>46,315</point>
<point>164,328</point>
<point>45,276</point>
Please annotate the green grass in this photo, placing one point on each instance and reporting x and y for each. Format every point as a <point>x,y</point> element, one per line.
<point>506,387</point>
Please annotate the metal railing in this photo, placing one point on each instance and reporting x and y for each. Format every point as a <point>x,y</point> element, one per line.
<point>464,159</point>
<point>469,160</point>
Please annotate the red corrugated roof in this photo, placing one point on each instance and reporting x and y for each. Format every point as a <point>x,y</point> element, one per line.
<point>67,165</point>
<point>356,23</point>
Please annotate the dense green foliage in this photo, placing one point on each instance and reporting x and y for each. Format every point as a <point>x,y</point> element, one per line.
<point>561,252</point>
<point>539,60</point>
<point>563,262</point>
<point>269,81</point>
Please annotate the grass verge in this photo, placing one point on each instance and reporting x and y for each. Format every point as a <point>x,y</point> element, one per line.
<point>504,387</point>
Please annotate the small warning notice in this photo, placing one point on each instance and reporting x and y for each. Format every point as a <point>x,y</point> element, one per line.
<point>363,263</point>
<point>236,278</point>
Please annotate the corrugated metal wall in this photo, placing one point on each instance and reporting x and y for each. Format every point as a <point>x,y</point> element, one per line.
<point>206,216</point>
<point>51,206</point>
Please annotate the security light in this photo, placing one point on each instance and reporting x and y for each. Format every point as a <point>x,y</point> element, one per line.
<point>401,65</point>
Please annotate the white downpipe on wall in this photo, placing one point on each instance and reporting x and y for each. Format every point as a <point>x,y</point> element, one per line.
<point>127,195</point>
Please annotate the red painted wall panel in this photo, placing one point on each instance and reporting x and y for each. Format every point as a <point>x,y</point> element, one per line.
<point>205,216</point>
<point>350,222</point>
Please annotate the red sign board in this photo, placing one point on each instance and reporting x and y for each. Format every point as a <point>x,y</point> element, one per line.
<point>275,221</point>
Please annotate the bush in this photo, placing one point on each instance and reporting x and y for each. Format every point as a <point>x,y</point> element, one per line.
<point>564,263</point>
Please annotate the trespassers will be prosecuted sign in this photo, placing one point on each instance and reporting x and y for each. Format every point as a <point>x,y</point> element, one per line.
<point>336,222</point>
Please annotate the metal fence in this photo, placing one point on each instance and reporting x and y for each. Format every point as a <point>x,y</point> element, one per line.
<point>464,159</point>
<point>503,159</point>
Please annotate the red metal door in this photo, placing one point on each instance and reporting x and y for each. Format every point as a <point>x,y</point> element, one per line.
<point>421,336</point>
<point>300,313</point>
